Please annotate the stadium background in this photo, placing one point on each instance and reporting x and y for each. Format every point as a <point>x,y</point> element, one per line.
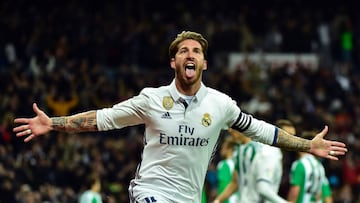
<point>70,56</point>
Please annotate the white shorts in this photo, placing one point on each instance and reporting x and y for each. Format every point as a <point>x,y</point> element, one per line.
<point>146,196</point>
<point>149,199</point>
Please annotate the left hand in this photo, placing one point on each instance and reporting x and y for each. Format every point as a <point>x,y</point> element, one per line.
<point>326,148</point>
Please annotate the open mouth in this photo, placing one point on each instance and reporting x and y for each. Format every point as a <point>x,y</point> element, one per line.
<point>190,70</point>
<point>190,66</point>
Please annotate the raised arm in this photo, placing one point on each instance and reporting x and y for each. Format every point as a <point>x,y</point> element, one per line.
<point>42,124</point>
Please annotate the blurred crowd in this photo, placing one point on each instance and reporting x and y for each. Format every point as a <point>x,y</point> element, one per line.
<point>72,56</point>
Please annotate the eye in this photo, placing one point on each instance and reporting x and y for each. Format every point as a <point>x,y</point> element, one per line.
<point>198,51</point>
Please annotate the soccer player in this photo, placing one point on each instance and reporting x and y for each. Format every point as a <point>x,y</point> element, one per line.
<point>260,176</point>
<point>244,154</point>
<point>182,121</point>
<point>307,177</point>
<point>265,173</point>
<point>226,167</point>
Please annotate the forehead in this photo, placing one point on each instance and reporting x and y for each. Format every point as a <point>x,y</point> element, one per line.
<point>190,43</point>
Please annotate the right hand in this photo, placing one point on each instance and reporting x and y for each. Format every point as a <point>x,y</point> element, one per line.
<point>33,127</point>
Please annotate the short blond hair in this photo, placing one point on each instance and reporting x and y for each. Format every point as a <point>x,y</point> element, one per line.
<point>283,123</point>
<point>184,35</point>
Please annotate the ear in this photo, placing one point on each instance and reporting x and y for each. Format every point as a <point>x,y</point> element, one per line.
<point>172,63</point>
<point>205,65</point>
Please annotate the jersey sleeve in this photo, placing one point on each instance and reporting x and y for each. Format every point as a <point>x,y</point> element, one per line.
<point>127,113</point>
<point>297,174</point>
<point>257,130</point>
<point>224,175</point>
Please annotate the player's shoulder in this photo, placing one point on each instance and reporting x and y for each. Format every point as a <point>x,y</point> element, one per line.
<point>298,165</point>
<point>216,93</point>
<point>153,91</point>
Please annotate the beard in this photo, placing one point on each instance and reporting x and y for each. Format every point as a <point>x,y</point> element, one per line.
<point>181,76</point>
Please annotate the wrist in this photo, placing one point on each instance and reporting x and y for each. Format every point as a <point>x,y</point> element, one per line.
<point>309,146</point>
<point>57,123</point>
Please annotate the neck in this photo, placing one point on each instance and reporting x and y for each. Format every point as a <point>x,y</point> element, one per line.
<point>188,90</point>
<point>301,154</point>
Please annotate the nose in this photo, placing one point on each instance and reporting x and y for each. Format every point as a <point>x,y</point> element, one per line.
<point>190,55</point>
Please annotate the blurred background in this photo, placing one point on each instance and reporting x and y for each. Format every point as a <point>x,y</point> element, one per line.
<point>72,56</point>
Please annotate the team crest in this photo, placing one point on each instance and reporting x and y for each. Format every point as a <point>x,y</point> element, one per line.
<point>168,102</point>
<point>206,120</point>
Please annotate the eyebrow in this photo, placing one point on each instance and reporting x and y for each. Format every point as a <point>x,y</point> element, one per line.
<point>186,47</point>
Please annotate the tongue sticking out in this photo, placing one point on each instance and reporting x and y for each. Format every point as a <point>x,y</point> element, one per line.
<point>190,71</point>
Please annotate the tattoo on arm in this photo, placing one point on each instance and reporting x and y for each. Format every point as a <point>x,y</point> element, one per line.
<point>76,123</point>
<point>292,143</point>
<point>58,123</point>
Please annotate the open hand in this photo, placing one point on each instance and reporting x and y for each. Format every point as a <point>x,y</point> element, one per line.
<point>33,127</point>
<point>326,148</point>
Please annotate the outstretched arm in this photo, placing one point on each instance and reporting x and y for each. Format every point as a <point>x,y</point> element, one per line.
<point>261,131</point>
<point>317,146</point>
<point>42,124</point>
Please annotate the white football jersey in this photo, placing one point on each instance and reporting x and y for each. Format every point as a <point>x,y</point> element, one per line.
<point>179,140</point>
<point>266,166</point>
<point>244,155</point>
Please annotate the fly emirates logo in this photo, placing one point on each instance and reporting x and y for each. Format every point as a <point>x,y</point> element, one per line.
<point>184,138</point>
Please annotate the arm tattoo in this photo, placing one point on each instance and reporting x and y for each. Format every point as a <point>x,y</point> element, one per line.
<point>76,123</point>
<point>291,142</point>
<point>58,123</point>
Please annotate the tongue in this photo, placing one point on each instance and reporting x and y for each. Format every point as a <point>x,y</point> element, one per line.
<point>189,72</point>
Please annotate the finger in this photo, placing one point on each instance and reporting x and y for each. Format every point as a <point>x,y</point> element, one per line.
<point>22,133</point>
<point>332,157</point>
<point>36,109</point>
<point>338,144</point>
<point>323,132</point>
<point>21,120</point>
<point>30,137</point>
<point>337,153</point>
<point>339,150</point>
<point>21,128</point>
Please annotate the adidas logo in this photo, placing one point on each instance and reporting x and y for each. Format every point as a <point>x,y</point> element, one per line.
<point>166,115</point>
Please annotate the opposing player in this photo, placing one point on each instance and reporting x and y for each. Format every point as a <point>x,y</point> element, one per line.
<point>182,123</point>
<point>266,172</point>
<point>307,177</point>
<point>244,154</point>
<point>260,180</point>
<point>226,167</point>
